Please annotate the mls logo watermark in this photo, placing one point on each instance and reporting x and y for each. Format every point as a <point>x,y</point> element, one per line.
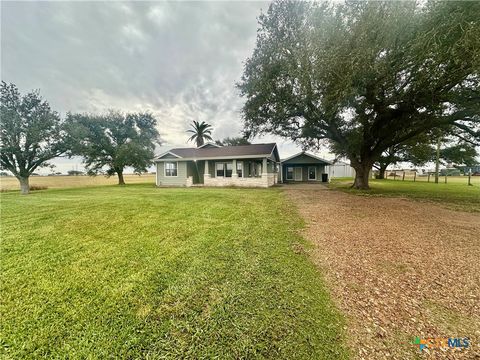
<point>441,343</point>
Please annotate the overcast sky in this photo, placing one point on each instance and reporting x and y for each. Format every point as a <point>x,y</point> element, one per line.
<point>178,60</point>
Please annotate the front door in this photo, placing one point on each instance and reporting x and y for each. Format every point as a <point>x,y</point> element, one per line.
<point>298,174</point>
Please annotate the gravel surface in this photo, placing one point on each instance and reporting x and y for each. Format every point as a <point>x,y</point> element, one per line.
<point>397,268</point>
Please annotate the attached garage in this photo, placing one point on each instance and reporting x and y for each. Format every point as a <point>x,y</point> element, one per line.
<point>303,167</point>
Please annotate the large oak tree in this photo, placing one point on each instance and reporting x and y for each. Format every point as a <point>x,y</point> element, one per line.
<point>363,76</point>
<point>109,143</point>
<point>31,133</point>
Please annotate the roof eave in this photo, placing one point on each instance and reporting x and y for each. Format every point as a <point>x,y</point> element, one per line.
<point>275,152</point>
<point>167,153</point>
<point>209,144</point>
<point>310,155</point>
<point>256,156</point>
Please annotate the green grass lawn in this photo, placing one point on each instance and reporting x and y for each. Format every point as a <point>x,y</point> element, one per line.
<point>140,272</point>
<point>454,194</point>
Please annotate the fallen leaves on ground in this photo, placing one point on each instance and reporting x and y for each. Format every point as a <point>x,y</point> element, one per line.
<point>398,269</point>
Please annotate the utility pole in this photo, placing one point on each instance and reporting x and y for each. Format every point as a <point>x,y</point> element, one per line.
<point>437,161</point>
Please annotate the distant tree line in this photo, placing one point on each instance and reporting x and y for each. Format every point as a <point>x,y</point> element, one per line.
<point>422,150</point>
<point>233,141</point>
<point>31,134</point>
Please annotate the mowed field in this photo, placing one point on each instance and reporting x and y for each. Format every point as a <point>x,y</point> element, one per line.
<point>63,181</point>
<point>455,194</point>
<point>460,179</point>
<point>140,272</point>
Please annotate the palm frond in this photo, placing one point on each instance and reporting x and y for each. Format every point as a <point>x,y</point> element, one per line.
<point>201,131</point>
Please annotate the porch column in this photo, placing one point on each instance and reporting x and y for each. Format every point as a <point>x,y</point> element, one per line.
<point>265,172</point>
<point>206,174</point>
<point>234,169</point>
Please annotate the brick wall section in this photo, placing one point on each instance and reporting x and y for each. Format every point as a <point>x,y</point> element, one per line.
<point>272,179</point>
<point>264,181</point>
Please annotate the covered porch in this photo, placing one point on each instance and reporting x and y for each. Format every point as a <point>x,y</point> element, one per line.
<point>303,167</point>
<point>256,172</point>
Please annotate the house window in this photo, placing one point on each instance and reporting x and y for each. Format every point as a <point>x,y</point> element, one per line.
<point>259,169</point>
<point>253,169</point>
<point>239,169</point>
<point>247,169</point>
<point>312,173</point>
<point>228,169</point>
<point>220,167</point>
<point>171,168</point>
<point>289,173</point>
<point>224,169</point>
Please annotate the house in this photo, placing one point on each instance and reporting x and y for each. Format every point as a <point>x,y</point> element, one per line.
<point>254,165</point>
<point>304,167</point>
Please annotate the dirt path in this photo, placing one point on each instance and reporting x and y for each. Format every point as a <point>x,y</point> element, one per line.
<point>398,269</point>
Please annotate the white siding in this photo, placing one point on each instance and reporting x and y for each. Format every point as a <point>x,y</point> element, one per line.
<point>339,170</point>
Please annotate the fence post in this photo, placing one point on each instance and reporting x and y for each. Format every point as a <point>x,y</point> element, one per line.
<point>403,177</point>
<point>428,177</point>
<point>414,176</point>
<point>445,178</point>
<point>469,178</point>
<point>395,175</point>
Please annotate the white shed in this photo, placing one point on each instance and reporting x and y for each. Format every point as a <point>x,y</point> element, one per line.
<point>339,170</point>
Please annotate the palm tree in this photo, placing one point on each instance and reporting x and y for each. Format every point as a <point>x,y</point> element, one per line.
<point>201,132</point>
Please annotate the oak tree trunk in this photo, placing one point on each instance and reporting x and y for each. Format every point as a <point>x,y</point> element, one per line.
<point>362,175</point>
<point>121,181</point>
<point>381,172</point>
<point>24,185</point>
<point>437,161</point>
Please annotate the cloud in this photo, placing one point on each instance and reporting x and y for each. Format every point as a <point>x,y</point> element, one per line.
<point>179,60</point>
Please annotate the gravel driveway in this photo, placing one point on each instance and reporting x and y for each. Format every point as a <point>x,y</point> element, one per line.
<point>397,268</point>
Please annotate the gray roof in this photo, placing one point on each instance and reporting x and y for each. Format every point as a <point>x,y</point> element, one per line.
<point>292,158</point>
<point>222,152</point>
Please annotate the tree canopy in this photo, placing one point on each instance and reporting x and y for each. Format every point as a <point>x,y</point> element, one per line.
<point>421,150</point>
<point>109,143</point>
<point>233,141</point>
<point>417,151</point>
<point>364,76</point>
<point>461,153</point>
<point>201,131</point>
<point>31,133</point>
